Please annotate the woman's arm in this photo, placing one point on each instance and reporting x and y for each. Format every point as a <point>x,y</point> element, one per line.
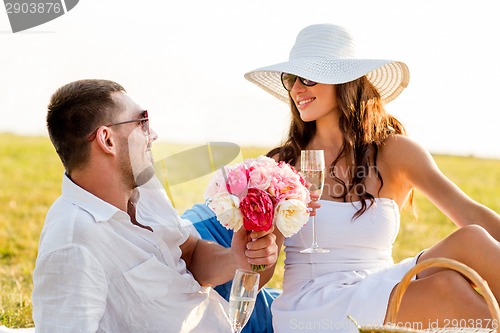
<point>419,170</point>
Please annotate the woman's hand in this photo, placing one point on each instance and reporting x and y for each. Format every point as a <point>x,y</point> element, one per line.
<point>314,204</point>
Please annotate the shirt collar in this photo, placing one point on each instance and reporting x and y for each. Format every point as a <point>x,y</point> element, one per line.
<point>98,208</point>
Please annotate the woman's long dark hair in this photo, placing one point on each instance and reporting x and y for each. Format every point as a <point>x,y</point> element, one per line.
<point>364,125</point>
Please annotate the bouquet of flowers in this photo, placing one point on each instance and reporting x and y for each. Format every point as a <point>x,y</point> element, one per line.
<point>257,194</point>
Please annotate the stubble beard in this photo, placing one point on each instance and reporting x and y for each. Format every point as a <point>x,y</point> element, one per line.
<point>134,178</point>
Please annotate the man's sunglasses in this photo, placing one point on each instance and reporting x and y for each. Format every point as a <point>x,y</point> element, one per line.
<point>144,121</point>
<point>288,80</point>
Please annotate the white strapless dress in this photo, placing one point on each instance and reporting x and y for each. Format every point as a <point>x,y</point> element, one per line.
<point>355,278</point>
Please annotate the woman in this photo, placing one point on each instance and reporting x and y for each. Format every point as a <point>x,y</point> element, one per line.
<point>372,169</point>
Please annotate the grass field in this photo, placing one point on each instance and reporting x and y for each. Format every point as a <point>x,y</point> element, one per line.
<point>30,178</point>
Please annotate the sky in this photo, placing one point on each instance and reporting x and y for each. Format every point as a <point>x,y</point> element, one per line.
<point>184,61</point>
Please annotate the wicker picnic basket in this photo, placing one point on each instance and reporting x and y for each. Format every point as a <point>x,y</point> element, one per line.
<point>400,289</point>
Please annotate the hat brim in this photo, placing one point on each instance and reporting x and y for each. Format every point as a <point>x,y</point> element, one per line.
<point>388,76</point>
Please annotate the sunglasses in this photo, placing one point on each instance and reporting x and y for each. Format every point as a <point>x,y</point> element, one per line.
<point>288,80</point>
<point>144,121</point>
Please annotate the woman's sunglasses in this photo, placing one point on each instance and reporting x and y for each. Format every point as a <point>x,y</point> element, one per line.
<point>288,80</point>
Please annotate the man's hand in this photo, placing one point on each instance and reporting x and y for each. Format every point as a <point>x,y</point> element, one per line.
<point>211,264</point>
<point>255,248</point>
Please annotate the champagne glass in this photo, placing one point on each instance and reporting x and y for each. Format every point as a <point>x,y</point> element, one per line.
<point>312,167</point>
<point>242,298</point>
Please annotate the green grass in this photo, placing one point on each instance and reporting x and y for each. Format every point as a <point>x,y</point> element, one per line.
<point>30,181</point>
<point>30,178</point>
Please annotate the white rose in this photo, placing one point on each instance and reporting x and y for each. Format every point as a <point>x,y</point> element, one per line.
<point>217,184</point>
<point>226,207</point>
<point>290,215</point>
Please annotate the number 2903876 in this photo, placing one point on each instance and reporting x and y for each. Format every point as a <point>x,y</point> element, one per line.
<point>33,7</point>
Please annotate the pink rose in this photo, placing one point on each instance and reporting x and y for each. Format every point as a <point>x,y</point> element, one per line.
<point>237,180</point>
<point>259,177</point>
<point>287,183</point>
<point>257,209</point>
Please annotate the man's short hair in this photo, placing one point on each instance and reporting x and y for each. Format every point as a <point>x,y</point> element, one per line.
<point>74,111</point>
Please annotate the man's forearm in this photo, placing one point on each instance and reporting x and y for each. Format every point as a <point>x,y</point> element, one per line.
<point>212,264</point>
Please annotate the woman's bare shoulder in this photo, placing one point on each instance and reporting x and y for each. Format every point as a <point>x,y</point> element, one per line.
<point>400,147</point>
<point>405,156</point>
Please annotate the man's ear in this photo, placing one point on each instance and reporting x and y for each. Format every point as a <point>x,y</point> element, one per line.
<point>106,140</point>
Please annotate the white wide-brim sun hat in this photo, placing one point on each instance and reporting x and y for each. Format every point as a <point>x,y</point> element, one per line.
<point>325,53</point>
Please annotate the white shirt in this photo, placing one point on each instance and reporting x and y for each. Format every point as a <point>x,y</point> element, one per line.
<point>97,272</point>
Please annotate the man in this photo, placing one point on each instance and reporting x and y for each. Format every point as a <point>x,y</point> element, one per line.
<point>114,255</point>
